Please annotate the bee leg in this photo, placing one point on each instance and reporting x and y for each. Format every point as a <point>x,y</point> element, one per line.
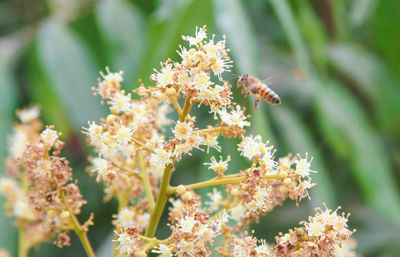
<point>256,103</point>
<point>247,92</point>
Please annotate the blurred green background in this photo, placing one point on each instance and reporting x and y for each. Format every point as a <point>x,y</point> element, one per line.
<point>335,64</point>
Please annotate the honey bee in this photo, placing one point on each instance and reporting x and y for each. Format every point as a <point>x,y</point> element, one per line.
<point>260,90</point>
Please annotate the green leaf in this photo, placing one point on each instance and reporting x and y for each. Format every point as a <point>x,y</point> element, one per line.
<point>297,137</point>
<point>314,32</point>
<point>41,92</point>
<point>8,48</point>
<point>106,248</point>
<point>123,29</point>
<point>341,115</point>
<point>339,11</point>
<point>384,25</point>
<point>232,20</point>
<point>361,10</point>
<point>292,31</point>
<point>70,71</point>
<point>373,79</point>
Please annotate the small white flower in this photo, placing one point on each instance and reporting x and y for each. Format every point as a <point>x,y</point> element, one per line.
<point>220,66</point>
<point>100,165</point>
<point>267,160</point>
<point>216,199</point>
<point>121,102</point>
<point>221,220</point>
<point>21,209</point>
<point>260,199</point>
<point>200,36</point>
<point>218,166</point>
<point>160,158</point>
<point>165,77</point>
<point>123,135</point>
<point>182,130</point>
<point>49,136</point>
<point>125,243</point>
<point>234,118</point>
<point>94,131</point>
<point>17,143</point>
<point>303,167</point>
<point>29,114</point>
<point>9,186</point>
<point>112,78</point>
<point>186,224</point>
<point>238,212</point>
<point>163,250</point>
<point>263,249</point>
<point>315,228</point>
<point>125,218</point>
<point>201,81</point>
<point>252,146</point>
<point>143,220</point>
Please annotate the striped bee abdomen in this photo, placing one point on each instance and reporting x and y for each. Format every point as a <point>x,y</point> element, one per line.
<point>269,95</point>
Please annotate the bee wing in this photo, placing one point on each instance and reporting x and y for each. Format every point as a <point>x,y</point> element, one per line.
<point>268,81</point>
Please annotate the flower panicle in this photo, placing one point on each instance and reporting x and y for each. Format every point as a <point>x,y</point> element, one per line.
<point>40,193</point>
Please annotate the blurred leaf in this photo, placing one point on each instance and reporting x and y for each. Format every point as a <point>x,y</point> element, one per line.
<point>106,248</point>
<point>292,31</point>
<point>314,32</point>
<point>384,26</point>
<point>339,13</point>
<point>373,79</point>
<point>297,137</point>
<point>42,93</point>
<point>346,127</point>
<point>361,10</point>
<point>340,115</point>
<point>122,26</point>
<point>8,93</point>
<point>232,20</point>
<point>70,71</point>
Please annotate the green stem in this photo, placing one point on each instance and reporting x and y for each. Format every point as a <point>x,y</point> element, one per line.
<point>145,180</point>
<point>80,232</point>
<point>186,109</point>
<point>161,201</point>
<point>141,144</point>
<point>231,179</point>
<point>175,103</point>
<point>23,250</point>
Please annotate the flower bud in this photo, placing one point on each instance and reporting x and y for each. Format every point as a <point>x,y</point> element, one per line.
<point>187,196</point>
<point>171,91</point>
<point>180,189</point>
<point>235,192</point>
<point>283,174</point>
<point>284,189</point>
<point>111,118</point>
<point>287,181</point>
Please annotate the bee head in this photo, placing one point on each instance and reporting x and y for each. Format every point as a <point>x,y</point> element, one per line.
<point>242,80</point>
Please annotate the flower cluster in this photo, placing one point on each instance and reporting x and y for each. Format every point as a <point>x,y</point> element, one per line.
<point>323,235</point>
<point>137,147</point>
<point>192,76</point>
<point>136,160</point>
<point>40,193</point>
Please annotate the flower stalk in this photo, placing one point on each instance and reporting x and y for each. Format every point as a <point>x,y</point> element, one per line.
<point>145,180</point>
<point>79,231</point>
<point>161,201</point>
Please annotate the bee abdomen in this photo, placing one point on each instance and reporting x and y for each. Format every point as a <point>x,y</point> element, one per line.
<point>269,95</point>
